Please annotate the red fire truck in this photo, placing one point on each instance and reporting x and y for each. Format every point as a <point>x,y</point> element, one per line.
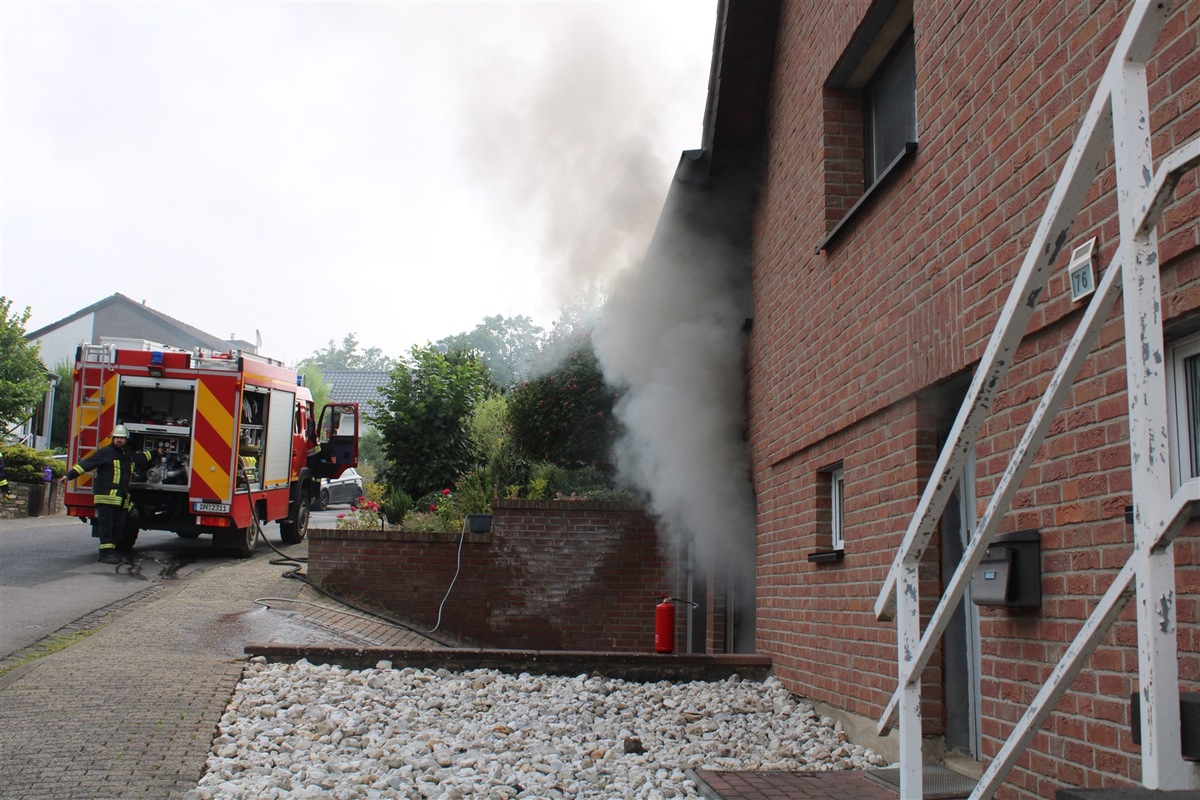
<point>232,434</point>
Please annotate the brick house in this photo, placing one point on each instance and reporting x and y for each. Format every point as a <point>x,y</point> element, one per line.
<point>905,152</point>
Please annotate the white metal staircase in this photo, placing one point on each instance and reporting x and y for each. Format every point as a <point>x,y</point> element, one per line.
<point>1119,116</point>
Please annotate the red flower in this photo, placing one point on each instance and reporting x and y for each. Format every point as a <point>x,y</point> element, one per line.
<point>445,492</point>
<point>432,507</point>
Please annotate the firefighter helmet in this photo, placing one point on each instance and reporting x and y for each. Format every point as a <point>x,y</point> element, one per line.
<point>120,431</point>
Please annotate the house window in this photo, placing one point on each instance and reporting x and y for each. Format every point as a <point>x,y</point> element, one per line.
<point>870,114</point>
<point>829,495</point>
<point>837,495</point>
<point>1183,406</point>
<point>890,110</point>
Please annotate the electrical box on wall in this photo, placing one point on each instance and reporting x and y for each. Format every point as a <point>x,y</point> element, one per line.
<point>1010,574</point>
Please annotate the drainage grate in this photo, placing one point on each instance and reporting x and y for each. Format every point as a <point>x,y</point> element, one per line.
<point>937,782</point>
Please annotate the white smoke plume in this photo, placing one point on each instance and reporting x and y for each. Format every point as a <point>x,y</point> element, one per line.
<point>671,338</point>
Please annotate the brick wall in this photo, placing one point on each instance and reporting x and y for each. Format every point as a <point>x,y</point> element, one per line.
<point>858,355</point>
<point>550,575</point>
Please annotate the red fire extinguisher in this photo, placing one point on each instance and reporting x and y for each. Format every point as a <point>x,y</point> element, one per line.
<point>664,623</point>
<point>664,626</point>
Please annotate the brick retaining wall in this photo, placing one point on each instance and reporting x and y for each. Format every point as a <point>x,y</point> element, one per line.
<point>551,575</point>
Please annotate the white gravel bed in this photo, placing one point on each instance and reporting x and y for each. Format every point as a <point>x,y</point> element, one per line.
<point>303,730</point>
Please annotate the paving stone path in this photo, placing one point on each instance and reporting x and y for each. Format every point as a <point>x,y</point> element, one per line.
<point>129,711</point>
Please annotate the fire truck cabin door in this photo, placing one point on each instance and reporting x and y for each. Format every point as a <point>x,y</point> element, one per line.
<point>338,437</point>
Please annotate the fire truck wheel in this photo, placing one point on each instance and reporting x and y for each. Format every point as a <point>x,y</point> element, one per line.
<point>242,542</point>
<point>293,531</point>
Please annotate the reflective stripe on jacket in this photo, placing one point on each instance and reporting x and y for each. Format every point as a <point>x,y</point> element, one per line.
<point>113,469</point>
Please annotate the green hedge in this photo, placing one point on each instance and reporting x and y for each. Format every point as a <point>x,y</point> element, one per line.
<point>24,464</point>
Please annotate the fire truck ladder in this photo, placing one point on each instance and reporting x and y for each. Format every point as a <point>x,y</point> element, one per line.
<point>95,357</point>
<point>1119,115</point>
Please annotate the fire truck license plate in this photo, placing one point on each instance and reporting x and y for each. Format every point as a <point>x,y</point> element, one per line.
<point>212,508</point>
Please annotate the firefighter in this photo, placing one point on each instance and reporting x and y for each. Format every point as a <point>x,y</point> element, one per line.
<point>114,464</point>
<point>3,477</point>
<point>310,436</point>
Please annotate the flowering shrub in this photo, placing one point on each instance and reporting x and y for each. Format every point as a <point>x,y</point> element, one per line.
<point>435,512</point>
<point>426,522</point>
<point>443,511</point>
<point>446,510</point>
<point>365,517</point>
<point>565,416</point>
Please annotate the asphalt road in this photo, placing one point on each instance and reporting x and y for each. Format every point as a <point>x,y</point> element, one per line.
<point>49,575</point>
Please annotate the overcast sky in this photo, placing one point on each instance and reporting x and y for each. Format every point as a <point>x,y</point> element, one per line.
<point>304,170</point>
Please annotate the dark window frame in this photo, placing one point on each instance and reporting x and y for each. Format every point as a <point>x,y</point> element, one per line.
<point>886,37</point>
<point>904,49</point>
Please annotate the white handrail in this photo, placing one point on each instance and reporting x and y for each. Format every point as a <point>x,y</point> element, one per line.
<point>1118,114</point>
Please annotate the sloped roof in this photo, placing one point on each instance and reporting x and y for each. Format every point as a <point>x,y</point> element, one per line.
<point>186,332</point>
<point>735,112</point>
<point>356,386</point>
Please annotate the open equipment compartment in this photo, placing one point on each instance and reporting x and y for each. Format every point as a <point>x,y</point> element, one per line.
<point>158,414</point>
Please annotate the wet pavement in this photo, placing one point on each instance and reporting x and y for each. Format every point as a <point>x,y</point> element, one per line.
<point>49,576</point>
<point>130,708</point>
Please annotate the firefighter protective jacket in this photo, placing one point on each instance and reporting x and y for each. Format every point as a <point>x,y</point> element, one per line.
<point>113,469</point>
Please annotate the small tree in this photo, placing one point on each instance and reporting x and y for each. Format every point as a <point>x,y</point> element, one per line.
<point>22,376</point>
<point>500,466</point>
<point>566,416</point>
<point>425,415</point>
<point>59,430</point>
<point>316,384</point>
<point>372,461</point>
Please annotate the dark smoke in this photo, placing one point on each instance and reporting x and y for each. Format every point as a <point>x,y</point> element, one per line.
<point>671,337</point>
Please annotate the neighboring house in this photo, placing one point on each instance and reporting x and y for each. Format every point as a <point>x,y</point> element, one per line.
<point>883,168</point>
<point>356,386</point>
<point>118,317</point>
<point>34,430</point>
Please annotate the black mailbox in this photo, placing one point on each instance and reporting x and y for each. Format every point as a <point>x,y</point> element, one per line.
<point>1010,574</point>
<point>1189,723</point>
